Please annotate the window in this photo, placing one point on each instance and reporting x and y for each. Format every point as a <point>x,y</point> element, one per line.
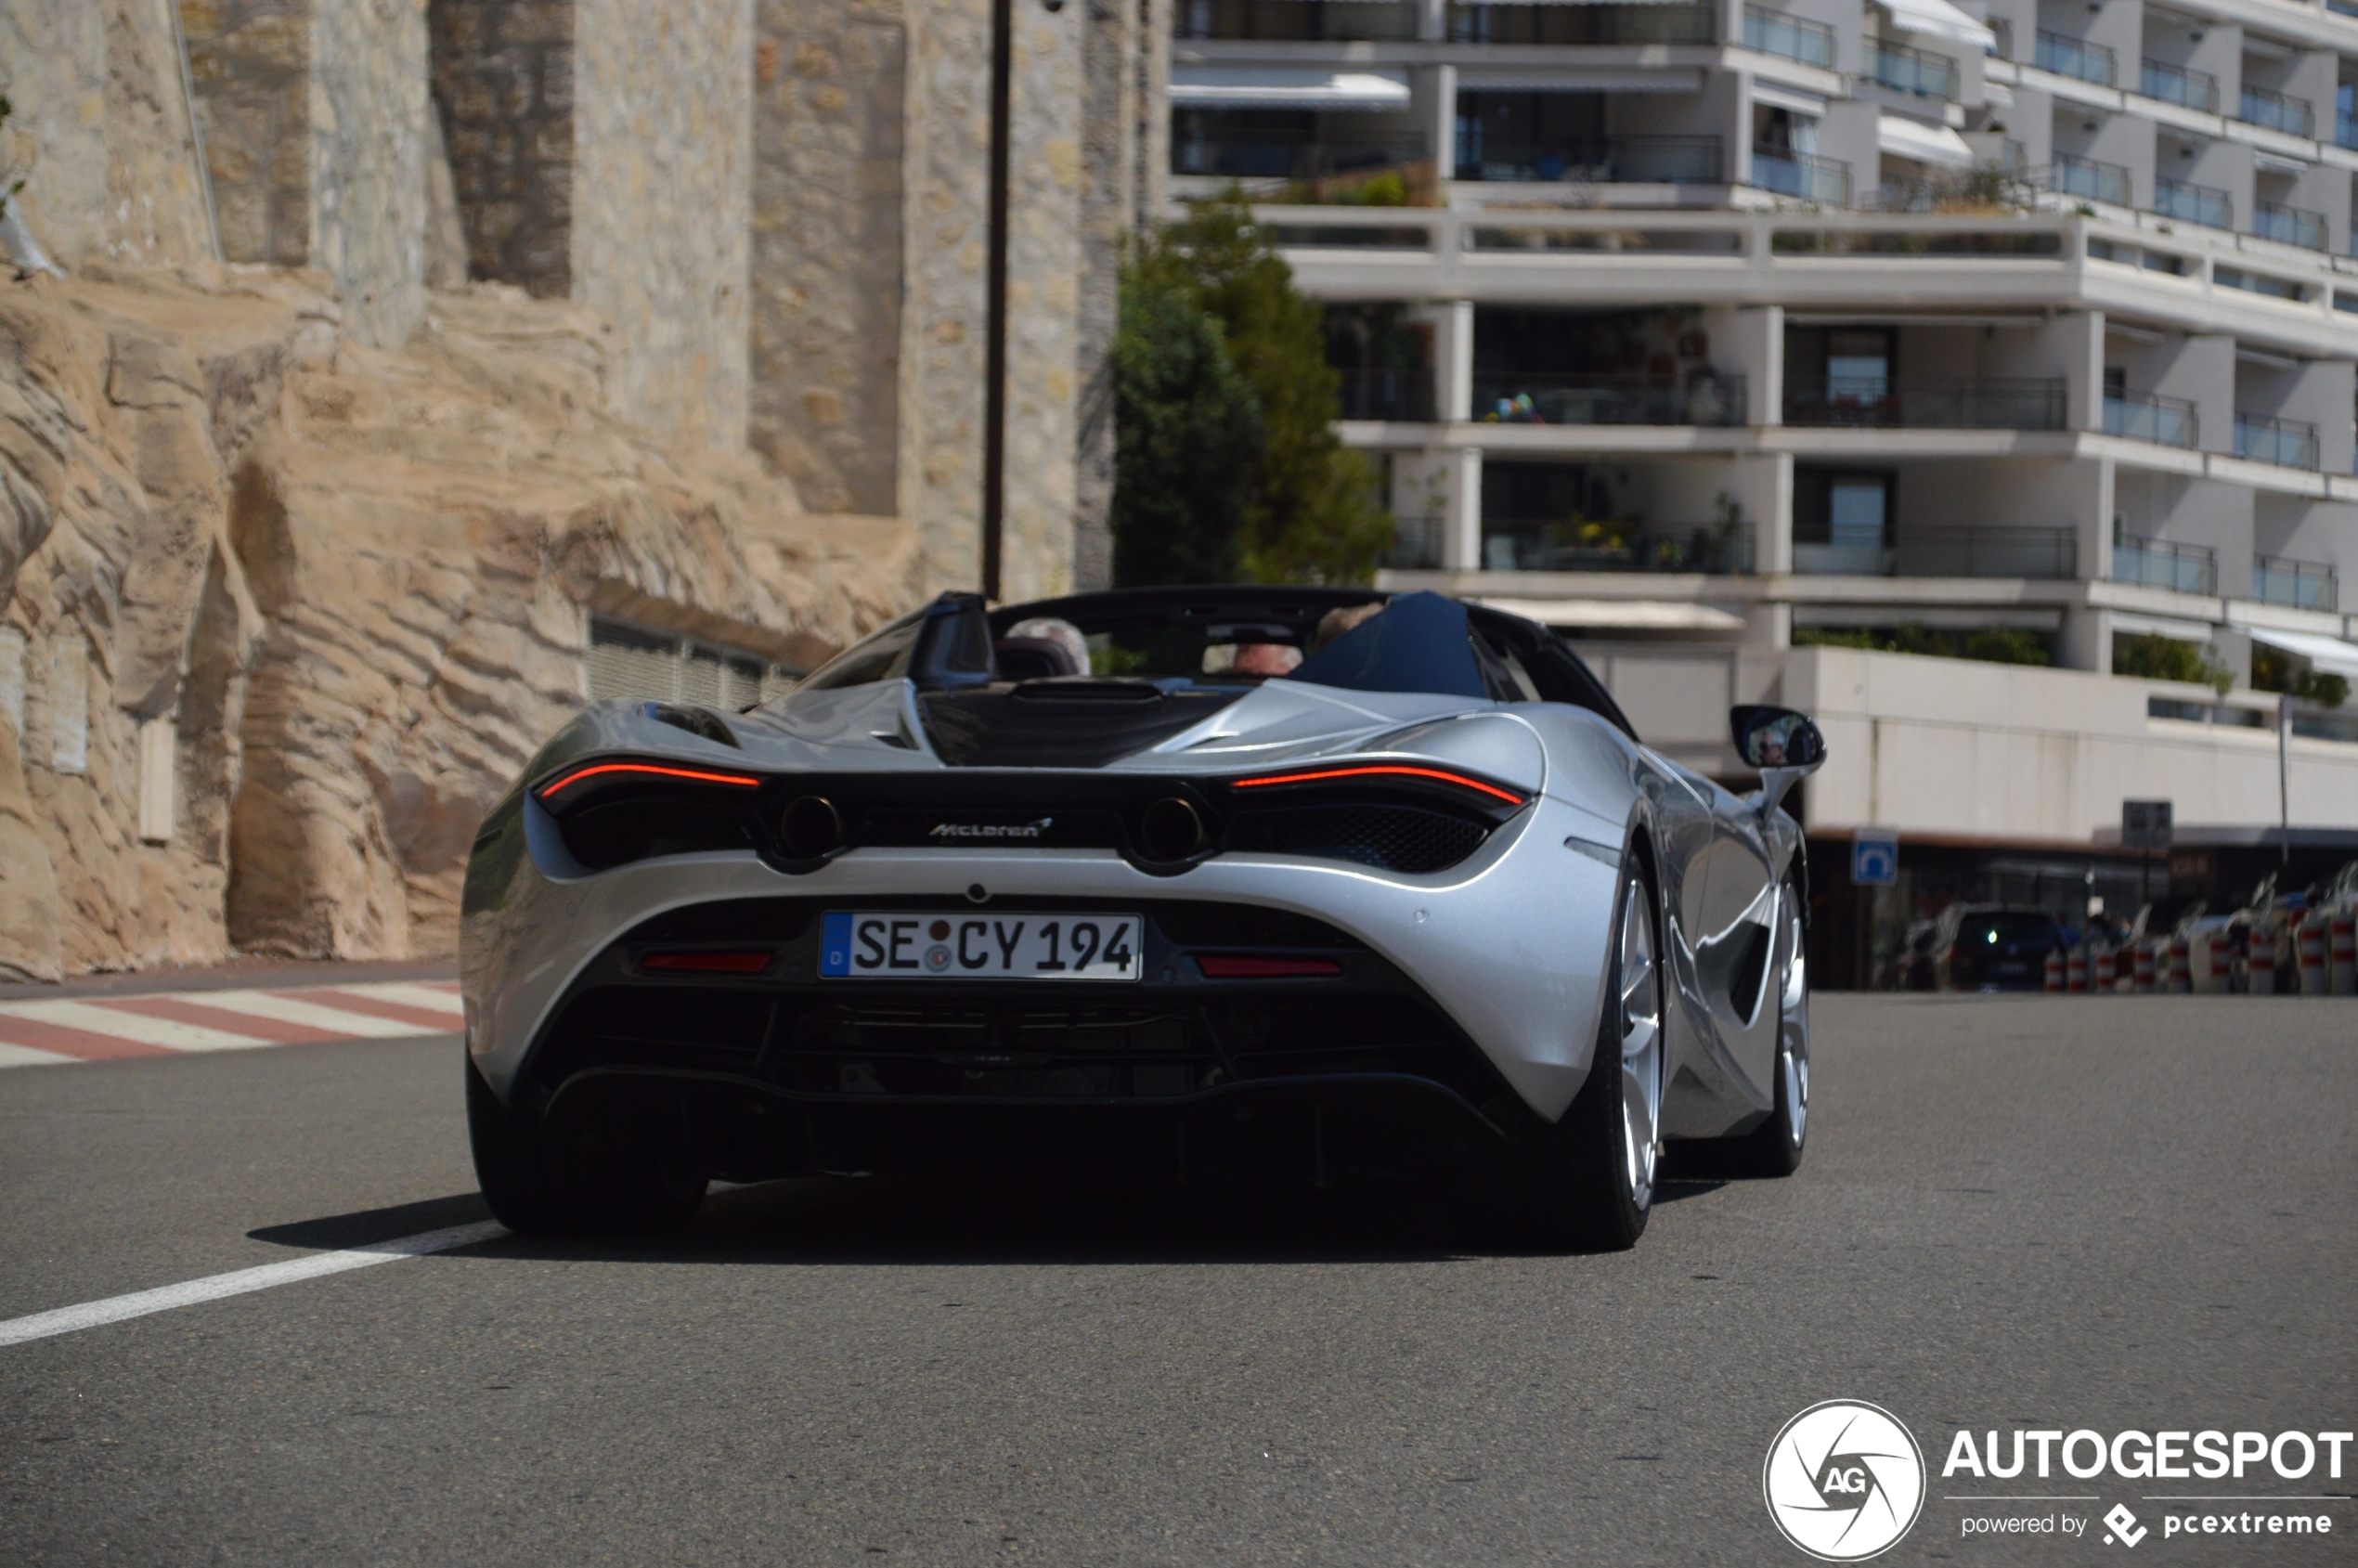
<point>1850,510</point>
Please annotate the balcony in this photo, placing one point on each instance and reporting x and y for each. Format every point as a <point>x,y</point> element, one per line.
<point>1965,405</point>
<point>1616,160</point>
<point>1546,397</point>
<point>1594,25</point>
<point>1262,155</point>
<point>2164,422</point>
<point>2297,585</point>
<point>1947,552</point>
<point>1912,72</point>
<point>1385,395</point>
<point>2277,112</point>
<point>1789,37</point>
<point>2181,568</point>
<point>1290,21</point>
<point>2175,83</point>
<point>2090,180</point>
<point>1715,548</point>
<point>1801,175</point>
<point>2192,203</point>
<point>2345,131</point>
<point>1417,543</point>
<point>2075,57</point>
<point>2285,442</point>
<point>2288,226</point>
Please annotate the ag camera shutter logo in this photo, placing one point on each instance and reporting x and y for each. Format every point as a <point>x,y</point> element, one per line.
<point>1843,1480</point>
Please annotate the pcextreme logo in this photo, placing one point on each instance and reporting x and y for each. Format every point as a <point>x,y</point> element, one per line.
<point>1843,1480</point>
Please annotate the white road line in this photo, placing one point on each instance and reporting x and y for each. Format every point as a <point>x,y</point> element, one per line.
<point>409,995</point>
<point>132,1026</point>
<point>115,1309</point>
<point>25,1056</point>
<point>318,1015</point>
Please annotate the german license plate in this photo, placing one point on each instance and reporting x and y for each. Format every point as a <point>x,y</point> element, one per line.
<point>965,946</point>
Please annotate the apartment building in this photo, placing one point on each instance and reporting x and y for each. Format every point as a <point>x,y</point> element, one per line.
<point>1709,328</point>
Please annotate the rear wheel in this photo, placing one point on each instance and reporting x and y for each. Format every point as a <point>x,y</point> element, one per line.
<point>1587,1179</point>
<point>1774,1148</point>
<point>639,1179</point>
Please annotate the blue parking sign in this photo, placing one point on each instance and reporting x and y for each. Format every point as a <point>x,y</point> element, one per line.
<point>1874,858</point>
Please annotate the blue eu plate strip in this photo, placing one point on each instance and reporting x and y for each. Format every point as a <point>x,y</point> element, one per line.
<point>835,944</point>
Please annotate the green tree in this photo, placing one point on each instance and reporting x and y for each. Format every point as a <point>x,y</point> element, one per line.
<point>1310,511</point>
<point>1186,431</point>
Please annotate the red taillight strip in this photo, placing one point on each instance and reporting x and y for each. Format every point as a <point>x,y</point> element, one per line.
<point>574,777</point>
<point>1458,779</point>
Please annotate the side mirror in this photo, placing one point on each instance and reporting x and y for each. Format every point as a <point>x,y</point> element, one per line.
<point>1776,737</point>
<point>1784,745</point>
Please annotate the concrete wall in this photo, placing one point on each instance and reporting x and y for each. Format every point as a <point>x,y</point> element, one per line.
<point>367,177</point>
<point>662,205</point>
<point>503,84</point>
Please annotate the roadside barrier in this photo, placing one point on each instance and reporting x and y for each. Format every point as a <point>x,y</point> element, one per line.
<point>2342,950</point>
<point>2075,971</point>
<point>2208,964</point>
<point>2181,978</point>
<point>2108,972</point>
<point>2054,969</point>
<point>2312,939</point>
<point>2260,964</point>
<point>2142,971</point>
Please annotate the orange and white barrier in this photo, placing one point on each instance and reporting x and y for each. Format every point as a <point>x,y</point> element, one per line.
<point>2055,968</point>
<point>2260,962</point>
<point>2209,963</point>
<point>2342,952</point>
<point>2106,968</point>
<point>2140,975</point>
<point>2075,971</point>
<point>2310,946</point>
<point>2181,978</point>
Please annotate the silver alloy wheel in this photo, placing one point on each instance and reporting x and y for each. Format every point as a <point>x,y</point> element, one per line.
<point>1792,1033</point>
<point>1640,1045</point>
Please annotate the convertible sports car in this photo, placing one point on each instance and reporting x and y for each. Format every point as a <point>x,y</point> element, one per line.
<point>1276,881</point>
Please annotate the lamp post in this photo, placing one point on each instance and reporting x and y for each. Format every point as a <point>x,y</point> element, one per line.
<point>994,352</point>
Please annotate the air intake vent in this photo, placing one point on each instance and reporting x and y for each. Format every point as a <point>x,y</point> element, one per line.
<point>1389,837</point>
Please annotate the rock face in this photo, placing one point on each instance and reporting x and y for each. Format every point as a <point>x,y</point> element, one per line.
<point>281,614</point>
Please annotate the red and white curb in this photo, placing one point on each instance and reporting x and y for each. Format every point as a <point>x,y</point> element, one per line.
<point>101,1028</point>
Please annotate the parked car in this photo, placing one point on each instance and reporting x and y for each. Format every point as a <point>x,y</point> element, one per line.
<point>1993,947</point>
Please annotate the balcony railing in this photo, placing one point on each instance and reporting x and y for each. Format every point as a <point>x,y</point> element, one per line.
<point>1965,405</point>
<point>1367,393</point>
<point>2285,442</point>
<point>1912,72</point>
<point>2192,203</point>
<point>2075,57</point>
<point>1948,552</point>
<point>1617,161</point>
<point>1279,22</point>
<point>2175,83</point>
<point>1270,155</point>
<point>2166,422</point>
<point>2299,585</point>
<point>2345,131</point>
<point>1580,24</point>
<point>1417,543</point>
<point>1715,548</point>
<point>2181,568</point>
<point>1773,33</point>
<point>2277,112</point>
<point>1802,174</point>
<point>1546,397</point>
<point>2089,179</point>
<point>2288,226</point>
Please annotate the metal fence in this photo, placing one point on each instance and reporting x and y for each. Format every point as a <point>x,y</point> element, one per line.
<point>1553,398</point>
<point>1990,404</point>
<point>2181,568</point>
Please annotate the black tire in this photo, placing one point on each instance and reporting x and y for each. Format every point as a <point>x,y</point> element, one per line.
<point>1775,1147</point>
<point>534,1184</point>
<point>1572,1182</point>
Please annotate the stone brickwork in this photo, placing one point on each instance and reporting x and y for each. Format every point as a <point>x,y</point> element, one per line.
<point>829,140</point>
<point>314,120</point>
<point>663,203</point>
<point>503,82</point>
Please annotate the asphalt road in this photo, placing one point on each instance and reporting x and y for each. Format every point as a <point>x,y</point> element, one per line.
<point>2041,1212</point>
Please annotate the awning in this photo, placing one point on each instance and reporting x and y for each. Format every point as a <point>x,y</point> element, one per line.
<point>1903,138</point>
<point>2163,625</point>
<point>1495,80</point>
<point>2330,656</point>
<point>1631,615</point>
<point>1937,18</point>
<point>1792,100</point>
<point>1258,86</point>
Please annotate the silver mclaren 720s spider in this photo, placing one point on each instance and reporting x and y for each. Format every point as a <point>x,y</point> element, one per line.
<point>1276,883</point>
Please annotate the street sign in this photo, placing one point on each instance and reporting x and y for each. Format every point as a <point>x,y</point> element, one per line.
<point>2144,824</point>
<point>1874,857</point>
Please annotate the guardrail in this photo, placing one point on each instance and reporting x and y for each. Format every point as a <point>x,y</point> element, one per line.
<point>1562,24</point>
<point>1988,403</point>
<point>2299,585</point>
<point>1914,72</point>
<point>2276,112</point>
<point>2181,568</point>
<point>1773,32</point>
<point>2166,422</point>
<point>2201,204</point>
<point>1984,553</point>
<point>1548,397</point>
<point>1285,22</point>
<point>2075,57</point>
<point>1367,393</point>
<point>1714,548</point>
<point>1801,175</point>
<point>2285,442</point>
<point>1615,160</point>
<point>2176,83</point>
<point>1269,156</point>
<point>2074,175</point>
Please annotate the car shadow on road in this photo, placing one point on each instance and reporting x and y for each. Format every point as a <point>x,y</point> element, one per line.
<point>913,1220</point>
